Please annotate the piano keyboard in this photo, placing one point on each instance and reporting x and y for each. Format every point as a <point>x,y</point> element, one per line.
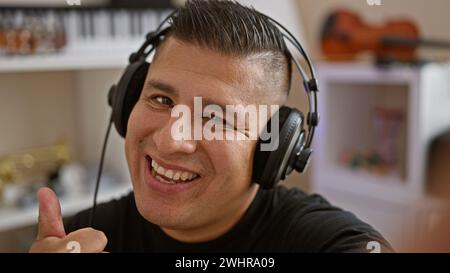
<point>87,27</point>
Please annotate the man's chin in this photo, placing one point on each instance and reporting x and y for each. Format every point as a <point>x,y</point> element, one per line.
<point>162,214</point>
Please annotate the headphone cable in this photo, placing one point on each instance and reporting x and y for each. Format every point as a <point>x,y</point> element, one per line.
<point>99,173</point>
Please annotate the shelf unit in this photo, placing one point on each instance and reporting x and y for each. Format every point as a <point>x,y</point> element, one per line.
<point>61,88</point>
<point>349,93</point>
<point>99,55</point>
<point>11,218</point>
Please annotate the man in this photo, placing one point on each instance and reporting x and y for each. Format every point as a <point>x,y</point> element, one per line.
<point>197,195</point>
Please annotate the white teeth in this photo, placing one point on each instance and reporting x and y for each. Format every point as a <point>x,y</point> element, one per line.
<point>169,174</point>
<point>161,170</point>
<point>162,180</point>
<point>184,176</point>
<point>177,176</point>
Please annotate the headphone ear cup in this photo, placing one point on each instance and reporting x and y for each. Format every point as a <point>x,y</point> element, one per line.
<point>126,94</point>
<point>261,157</point>
<point>269,167</point>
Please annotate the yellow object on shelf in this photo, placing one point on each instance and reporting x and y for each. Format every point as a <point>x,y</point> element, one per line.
<point>27,165</point>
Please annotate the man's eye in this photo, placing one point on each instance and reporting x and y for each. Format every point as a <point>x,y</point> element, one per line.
<point>163,100</point>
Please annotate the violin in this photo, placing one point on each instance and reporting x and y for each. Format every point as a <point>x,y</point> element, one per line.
<point>344,35</point>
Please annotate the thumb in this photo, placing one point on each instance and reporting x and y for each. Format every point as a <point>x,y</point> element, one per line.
<point>50,219</point>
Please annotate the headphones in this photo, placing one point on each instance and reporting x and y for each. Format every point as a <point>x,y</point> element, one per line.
<point>269,167</point>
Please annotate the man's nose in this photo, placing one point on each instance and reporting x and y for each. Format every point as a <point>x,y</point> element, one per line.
<point>169,145</point>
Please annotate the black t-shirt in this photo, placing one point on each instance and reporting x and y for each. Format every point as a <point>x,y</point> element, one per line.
<point>278,220</point>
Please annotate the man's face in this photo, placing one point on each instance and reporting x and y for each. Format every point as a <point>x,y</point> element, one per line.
<point>219,170</point>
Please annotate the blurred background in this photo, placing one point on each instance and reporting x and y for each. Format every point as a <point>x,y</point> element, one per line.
<point>382,150</point>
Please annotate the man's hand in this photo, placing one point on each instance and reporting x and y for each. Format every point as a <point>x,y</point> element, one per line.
<point>51,235</point>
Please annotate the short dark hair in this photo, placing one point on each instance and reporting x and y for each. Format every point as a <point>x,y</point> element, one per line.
<point>233,29</point>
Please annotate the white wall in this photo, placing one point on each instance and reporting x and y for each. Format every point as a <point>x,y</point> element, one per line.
<point>92,120</point>
<point>42,108</point>
<point>35,109</point>
<point>284,11</point>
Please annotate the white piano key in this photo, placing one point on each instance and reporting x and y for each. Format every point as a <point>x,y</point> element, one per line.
<point>131,15</point>
<point>101,25</point>
<point>123,24</point>
<point>90,24</point>
<point>18,18</point>
<point>73,26</point>
<point>153,20</point>
<point>140,27</point>
<point>50,18</point>
<point>146,22</point>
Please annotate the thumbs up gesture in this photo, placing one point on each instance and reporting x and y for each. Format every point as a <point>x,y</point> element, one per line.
<point>51,235</point>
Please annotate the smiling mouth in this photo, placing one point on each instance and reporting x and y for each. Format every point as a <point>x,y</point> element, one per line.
<point>169,176</point>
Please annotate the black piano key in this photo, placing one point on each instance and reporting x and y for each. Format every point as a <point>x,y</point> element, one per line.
<point>100,24</point>
<point>131,24</point>
<point>112,28</point>
<point>128,19</point>
<point>96,24</point>
<point>82,24</point>
<point>60,20</point>
<point>91,24</point>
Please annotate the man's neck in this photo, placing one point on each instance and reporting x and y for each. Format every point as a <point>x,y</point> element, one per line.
<point>216,228</point>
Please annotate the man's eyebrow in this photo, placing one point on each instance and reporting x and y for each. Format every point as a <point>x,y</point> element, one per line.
<point>165,87</point>
<point>162,86</point>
